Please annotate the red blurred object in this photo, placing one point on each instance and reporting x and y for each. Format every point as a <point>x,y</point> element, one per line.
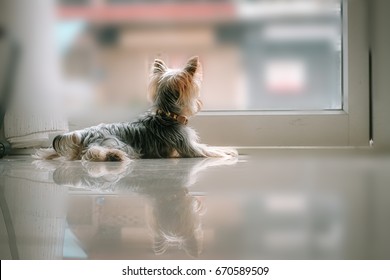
<point>150,12</point>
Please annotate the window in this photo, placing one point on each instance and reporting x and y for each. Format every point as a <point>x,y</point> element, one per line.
<point>276,73</point>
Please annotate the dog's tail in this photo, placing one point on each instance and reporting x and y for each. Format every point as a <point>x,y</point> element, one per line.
<point>46,154</point>
<point>66,146</point>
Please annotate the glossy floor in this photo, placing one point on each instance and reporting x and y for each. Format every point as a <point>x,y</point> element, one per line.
<point>268,204</point>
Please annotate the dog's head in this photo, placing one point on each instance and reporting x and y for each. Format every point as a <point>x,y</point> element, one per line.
<point>176,90</point>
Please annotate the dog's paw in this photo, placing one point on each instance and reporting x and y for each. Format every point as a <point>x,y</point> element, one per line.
<point>223,152</point>
<point>231,152</point>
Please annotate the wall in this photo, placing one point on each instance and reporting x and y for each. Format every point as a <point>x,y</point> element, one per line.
<point>34,109</point>
<point>380,45</point>
<point>2,23</point>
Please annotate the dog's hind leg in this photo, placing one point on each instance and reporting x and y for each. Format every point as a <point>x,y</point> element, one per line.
<point>68,145</point>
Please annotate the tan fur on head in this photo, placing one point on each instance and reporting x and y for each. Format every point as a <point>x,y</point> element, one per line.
<point>186,82</point>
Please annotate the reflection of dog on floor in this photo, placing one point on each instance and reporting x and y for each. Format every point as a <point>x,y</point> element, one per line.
<point>173,215</point>
<point>174,219</point>
<point>161,133</point>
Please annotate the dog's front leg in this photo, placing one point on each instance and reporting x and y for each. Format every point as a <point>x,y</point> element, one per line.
<point>202,150</point>
<point>190,147</point>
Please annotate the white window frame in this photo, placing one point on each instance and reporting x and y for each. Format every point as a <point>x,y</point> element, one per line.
<point>346,127</point>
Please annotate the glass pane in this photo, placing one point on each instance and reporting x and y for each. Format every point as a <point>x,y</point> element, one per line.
<point>256,55</point>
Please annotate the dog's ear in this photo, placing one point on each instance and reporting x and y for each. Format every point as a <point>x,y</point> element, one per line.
<point>159,67</point>
<point>193,65</point>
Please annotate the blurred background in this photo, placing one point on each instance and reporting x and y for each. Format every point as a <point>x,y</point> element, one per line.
<point>256,55</point>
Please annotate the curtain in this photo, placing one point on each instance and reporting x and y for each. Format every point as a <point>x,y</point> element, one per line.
<point>34,113</point>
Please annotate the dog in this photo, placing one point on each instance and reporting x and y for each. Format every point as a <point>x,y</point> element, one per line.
<point>162,132</point>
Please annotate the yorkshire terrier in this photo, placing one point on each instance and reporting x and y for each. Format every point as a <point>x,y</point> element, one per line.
<point>162,132</point>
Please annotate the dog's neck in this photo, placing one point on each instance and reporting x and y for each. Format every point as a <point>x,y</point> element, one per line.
<point>179,118</point>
